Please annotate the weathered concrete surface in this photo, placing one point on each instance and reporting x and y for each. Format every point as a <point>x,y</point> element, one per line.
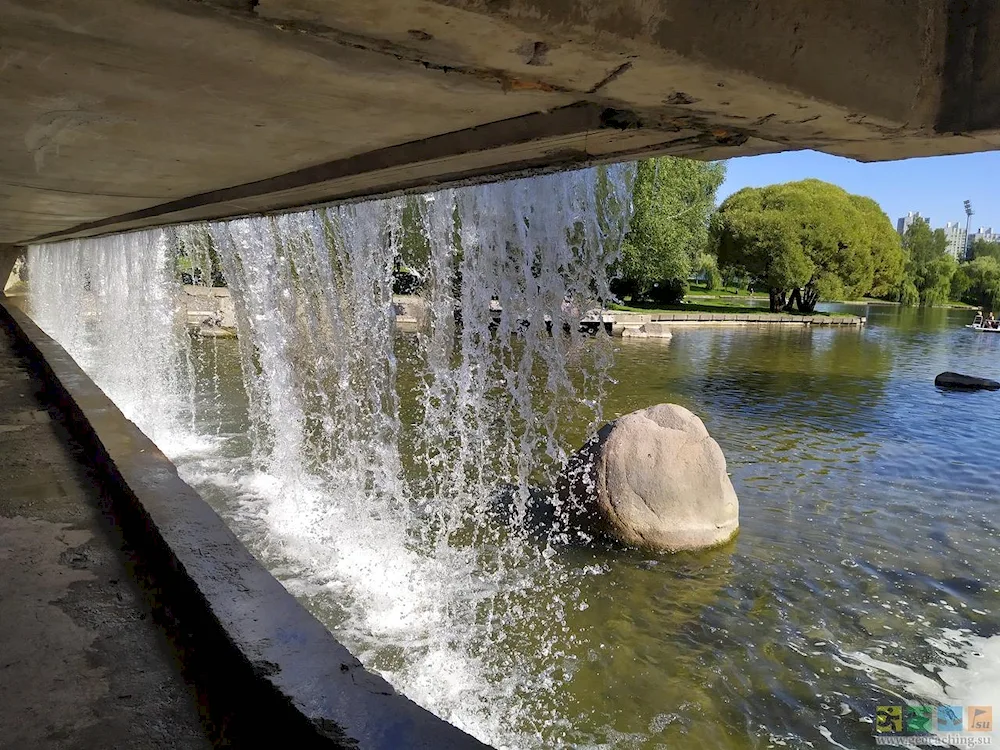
<point>82,663</point>
<point>125,114</point>
<point>269,673</point>
<point>641,325</point>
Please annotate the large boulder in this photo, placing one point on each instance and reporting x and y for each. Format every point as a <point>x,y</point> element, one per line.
<point>965,382</point>
<point>654,478</point>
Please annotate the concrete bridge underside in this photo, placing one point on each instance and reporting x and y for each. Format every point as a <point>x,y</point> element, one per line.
<point>118,114</point>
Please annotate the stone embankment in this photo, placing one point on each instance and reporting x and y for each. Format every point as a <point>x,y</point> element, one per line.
<point>653,325</point>
<point>210,312</point>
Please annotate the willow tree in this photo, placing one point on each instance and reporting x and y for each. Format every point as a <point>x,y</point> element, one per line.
<point>980,282</point>
<point>806,241</point>
<point>929,267</point>
<point>672,199</point>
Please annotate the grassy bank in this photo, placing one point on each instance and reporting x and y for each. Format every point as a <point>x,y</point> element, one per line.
<point>734,297</point>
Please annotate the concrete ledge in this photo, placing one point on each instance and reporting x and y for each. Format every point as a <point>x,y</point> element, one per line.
<point>623,319</point>
<point>291,682</point>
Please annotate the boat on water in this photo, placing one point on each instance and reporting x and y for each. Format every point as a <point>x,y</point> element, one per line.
<point>979,323</point>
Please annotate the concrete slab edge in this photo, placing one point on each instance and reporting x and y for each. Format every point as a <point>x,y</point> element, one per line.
<point>277,660</point>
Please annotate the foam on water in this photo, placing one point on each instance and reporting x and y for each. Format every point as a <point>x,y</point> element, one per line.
<point>964,670</point>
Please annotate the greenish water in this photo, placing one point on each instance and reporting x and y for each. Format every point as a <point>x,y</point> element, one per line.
<point>864,572</point>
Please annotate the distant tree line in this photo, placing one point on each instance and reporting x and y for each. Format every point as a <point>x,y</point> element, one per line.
<point>801,242</point>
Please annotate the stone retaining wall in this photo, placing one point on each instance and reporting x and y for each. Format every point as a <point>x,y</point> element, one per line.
<point>628,320</point>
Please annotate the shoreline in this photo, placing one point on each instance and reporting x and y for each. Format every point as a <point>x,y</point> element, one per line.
<point>642,325</point>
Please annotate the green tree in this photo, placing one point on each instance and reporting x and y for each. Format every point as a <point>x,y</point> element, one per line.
<point>707,267</point>
<point>933,280</point>
<point>928,267</point>
<point>983,289</point>
<point>808,240</point>
<point>887,251</point>
<point>672,199</point>
<point>960,282</point>
<point>923,244</point>
<point>980,248</point>
<point>755,240</point>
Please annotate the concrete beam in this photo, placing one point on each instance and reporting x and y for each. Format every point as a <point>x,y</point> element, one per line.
<point>126,113</point>
<point>569,137</point>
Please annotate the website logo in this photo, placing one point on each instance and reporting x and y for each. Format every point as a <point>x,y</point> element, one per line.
<point>980,718</point>
<point>929,724</point>
<point>949,719</point>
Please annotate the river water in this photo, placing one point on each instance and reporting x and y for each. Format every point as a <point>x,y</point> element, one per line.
<point>864,572</point>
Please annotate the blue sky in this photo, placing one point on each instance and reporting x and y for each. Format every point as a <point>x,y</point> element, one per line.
<point>934,186</point>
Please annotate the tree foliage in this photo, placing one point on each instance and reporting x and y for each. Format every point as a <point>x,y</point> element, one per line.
<point>706,266</point>
<point>808,240</point>
<point>887,250</point>
<point>980,282</point>
<point>672,199</point>
<point>980,248</point>
<point>929,267</point>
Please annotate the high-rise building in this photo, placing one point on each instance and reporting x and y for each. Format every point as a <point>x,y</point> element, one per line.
<point>986,234</point>
<point>957,240</point>
<point>904,222</point>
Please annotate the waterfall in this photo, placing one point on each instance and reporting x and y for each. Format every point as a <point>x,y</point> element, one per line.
<point>382,463</point>
<point>111,303</point>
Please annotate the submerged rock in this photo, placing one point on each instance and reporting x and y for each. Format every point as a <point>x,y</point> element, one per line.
<point>965,382</point>
<point>654,478</point>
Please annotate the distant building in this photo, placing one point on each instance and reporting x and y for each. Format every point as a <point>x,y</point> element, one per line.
<point>957,240</point>
<point>905,221</point>
<point>986,234</point>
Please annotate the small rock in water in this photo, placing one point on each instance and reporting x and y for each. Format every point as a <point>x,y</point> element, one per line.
<point>654,478</point>
<point>965,382</point>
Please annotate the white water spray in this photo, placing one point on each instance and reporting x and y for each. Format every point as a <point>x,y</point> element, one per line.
<point>112,304</point>
<point>378,476</point>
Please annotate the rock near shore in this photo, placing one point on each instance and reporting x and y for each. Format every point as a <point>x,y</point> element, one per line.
<point>654,478</point>
<point>965,382</point>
